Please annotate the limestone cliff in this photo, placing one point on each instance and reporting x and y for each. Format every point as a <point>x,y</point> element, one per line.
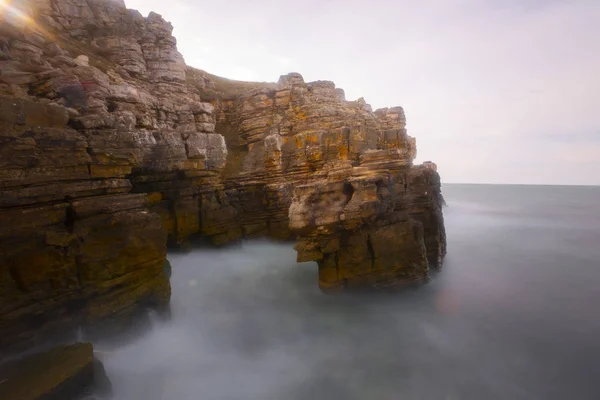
<point>111,147</point>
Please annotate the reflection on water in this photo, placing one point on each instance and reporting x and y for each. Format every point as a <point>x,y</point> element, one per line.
<point>512,316</point>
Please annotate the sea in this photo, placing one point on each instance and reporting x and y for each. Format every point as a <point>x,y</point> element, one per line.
<point>513,314</point>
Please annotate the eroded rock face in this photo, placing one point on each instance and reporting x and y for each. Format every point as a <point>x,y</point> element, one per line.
<point>343,180</point>
<point>110,148</point>
<point>366,229</point>
<point>89,194</point>
<point>70,243</point>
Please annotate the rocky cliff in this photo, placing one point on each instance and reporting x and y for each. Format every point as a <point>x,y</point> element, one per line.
<point>111,147</point>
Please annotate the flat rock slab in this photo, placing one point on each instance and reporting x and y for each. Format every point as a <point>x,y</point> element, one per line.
<point>61,373</point>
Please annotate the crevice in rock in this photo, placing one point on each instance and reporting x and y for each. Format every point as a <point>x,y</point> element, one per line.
<point>111,106</point>
<point>348,133</point>
<point>218,199</point>
<point>70,217</point>
<point>348,191</point>
<point>14,274</point>
<point>371,251</point>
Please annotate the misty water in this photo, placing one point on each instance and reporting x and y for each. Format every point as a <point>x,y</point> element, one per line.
<point>513,315</point>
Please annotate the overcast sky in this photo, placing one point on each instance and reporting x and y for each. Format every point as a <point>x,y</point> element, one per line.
<point>494,91</point>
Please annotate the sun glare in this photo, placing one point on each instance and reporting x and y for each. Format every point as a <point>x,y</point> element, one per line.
<point>11,11</point>
<point>13,15</point>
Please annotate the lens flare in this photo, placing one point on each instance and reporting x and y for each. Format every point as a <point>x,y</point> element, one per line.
<point>14,15</point>
<point>9,11</point>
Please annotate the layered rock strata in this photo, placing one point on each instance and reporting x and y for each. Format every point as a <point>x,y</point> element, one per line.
<point>338,176</point>
<point>110,148</point>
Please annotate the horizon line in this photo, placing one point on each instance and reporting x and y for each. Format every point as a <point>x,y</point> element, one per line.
<point>519,184</point>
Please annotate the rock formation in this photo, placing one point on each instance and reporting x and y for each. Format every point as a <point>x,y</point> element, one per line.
<point>64,372</point>
<point>111,147</point>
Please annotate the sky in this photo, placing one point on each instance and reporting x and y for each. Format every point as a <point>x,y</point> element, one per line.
<point>494,91</point>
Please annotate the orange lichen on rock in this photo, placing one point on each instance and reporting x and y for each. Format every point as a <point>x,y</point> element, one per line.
<point>111,148</point>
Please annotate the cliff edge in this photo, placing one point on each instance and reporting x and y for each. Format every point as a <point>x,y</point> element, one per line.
<point>111,148</point>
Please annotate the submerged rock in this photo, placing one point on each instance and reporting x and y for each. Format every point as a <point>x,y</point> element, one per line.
<point>65,372</point>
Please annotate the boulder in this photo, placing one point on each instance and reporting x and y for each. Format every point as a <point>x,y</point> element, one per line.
<point>65,372</point>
